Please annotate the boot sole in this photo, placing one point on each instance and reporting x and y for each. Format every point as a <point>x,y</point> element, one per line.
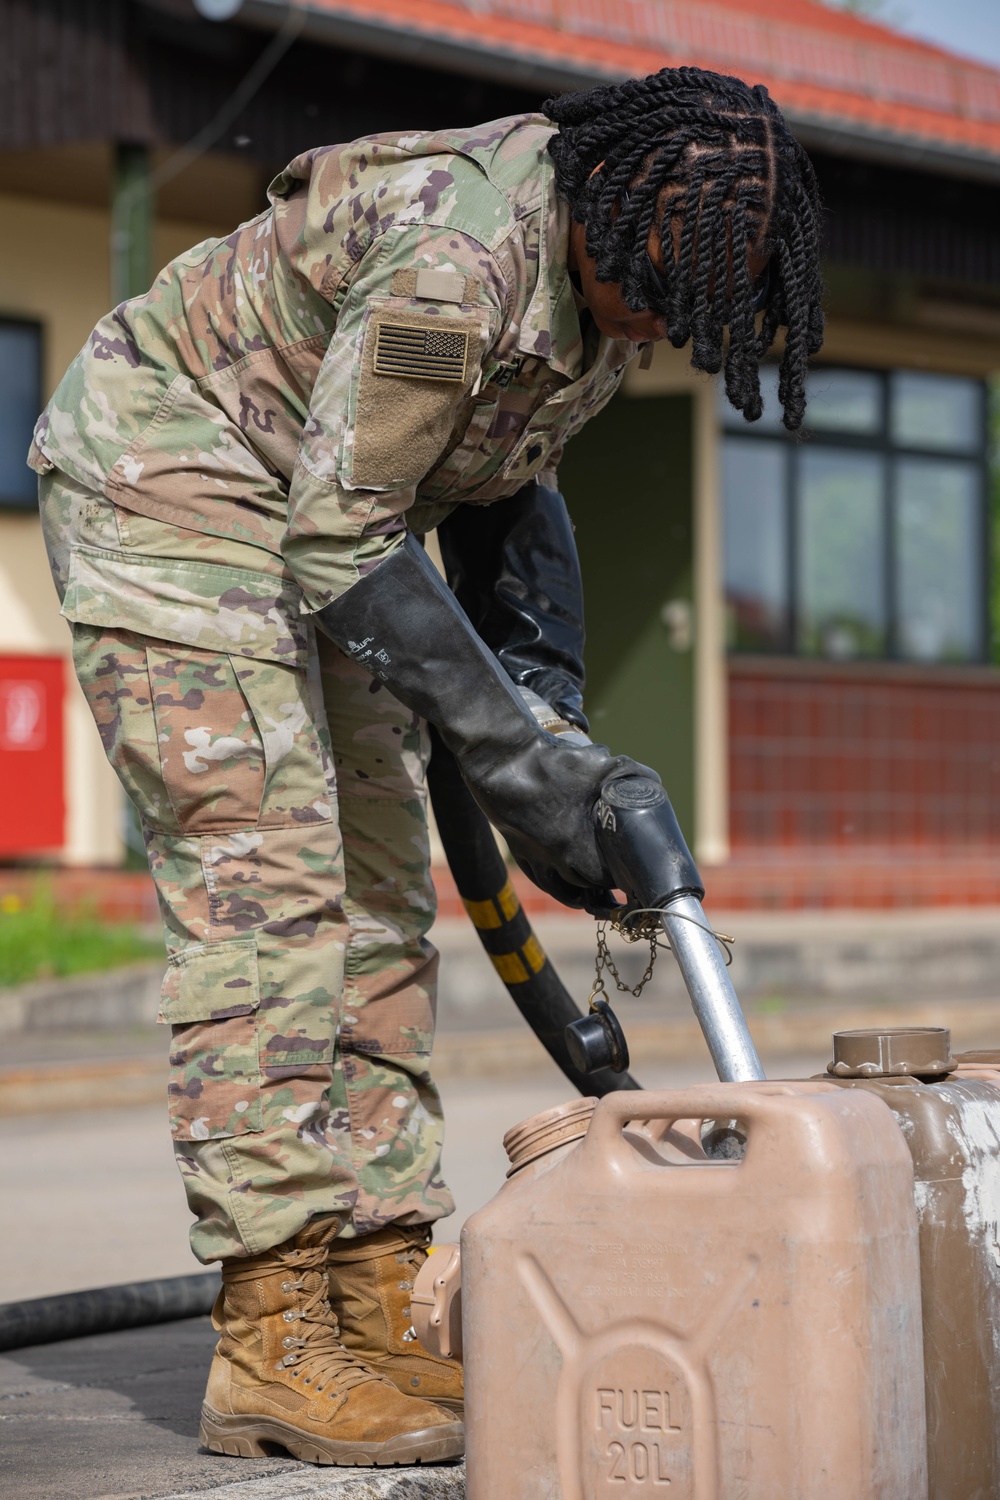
<point>242,1436</point>
<point>450,1403</point>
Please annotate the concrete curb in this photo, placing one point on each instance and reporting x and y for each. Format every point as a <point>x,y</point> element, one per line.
<point>57,1088</point>
<point>113,997</point>
<point>881,958</point>
<point>317,1484</point>
<point>798,1031</point>
<point>792,1032</point>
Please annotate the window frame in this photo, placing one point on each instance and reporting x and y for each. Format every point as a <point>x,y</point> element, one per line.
<point>882,444</point>
<point>17,505</point>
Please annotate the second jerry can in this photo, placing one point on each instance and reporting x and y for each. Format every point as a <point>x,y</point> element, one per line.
<point>642,1320</point>
<point>948,1110</point>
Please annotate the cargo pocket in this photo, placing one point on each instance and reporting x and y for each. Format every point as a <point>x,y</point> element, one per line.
<point>210,996</point>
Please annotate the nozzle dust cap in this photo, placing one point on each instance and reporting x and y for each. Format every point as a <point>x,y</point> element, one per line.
<point>597,1041</point>
<point>892,1052</point>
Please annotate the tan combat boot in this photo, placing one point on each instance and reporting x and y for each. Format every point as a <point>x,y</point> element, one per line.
<point>370,1282</point>
<point>282,1376</point>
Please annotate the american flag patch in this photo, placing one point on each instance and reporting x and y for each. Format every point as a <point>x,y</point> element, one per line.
<point>417,352</point>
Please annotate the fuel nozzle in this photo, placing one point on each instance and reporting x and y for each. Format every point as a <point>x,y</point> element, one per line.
<point>641,840</point>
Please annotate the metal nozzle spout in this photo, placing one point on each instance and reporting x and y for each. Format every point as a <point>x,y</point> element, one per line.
<point>642,842</point>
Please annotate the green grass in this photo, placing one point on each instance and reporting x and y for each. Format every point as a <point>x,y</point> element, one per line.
<point>770,1005</point>
<point>39,942</point>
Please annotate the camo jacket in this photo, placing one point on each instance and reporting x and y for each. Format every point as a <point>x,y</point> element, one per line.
<point>395,334</point>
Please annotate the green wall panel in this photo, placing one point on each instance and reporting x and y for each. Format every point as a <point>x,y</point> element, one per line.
<point>627,480</point>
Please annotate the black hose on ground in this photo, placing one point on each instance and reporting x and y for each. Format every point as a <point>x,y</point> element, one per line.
<point>106,1309</point>
<point>504,930</point>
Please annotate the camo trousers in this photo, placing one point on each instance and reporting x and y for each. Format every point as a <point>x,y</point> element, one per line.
<point>285,820</point>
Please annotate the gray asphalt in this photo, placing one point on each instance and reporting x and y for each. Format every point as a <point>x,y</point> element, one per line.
<point>94,1198</point>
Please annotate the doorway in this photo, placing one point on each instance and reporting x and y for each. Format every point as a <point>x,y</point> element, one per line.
<point>627,478</point>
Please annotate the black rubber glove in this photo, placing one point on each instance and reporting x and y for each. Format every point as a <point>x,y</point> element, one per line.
<point>405,626</point>
<point>514,568</point>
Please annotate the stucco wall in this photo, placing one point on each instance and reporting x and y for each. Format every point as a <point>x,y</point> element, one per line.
<point>54,268</point>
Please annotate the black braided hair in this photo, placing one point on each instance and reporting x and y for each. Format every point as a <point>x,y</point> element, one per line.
<point>710,163</point>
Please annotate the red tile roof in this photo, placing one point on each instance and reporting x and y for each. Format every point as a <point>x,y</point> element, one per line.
<point>825,66</point>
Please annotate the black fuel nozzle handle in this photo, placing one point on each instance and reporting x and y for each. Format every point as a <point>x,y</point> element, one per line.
<point>641,840</point>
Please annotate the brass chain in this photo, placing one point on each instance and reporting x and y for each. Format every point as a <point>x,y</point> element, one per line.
<point>643,925</point>
<point>634,932</point>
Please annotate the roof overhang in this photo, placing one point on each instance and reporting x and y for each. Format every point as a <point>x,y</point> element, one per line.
<point>847,138</point>
<point>361,30</point>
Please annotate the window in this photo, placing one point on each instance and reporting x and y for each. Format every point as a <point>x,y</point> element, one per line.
<point>20,402</point>
<point>866,538</point>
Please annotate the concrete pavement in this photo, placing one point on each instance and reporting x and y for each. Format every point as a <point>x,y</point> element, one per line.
<point>115,1417</point>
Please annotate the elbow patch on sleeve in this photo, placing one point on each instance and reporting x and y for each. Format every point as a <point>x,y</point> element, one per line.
<point>416,369</point>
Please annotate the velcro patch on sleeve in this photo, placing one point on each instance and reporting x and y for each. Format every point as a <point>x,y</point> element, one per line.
<point>439,286</point>
<point>433,284</point>
<point>414,373</point>
<point>417,351</point>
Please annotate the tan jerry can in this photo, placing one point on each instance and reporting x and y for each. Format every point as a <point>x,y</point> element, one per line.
<point>640,1320</point>
<point>952,1128</point>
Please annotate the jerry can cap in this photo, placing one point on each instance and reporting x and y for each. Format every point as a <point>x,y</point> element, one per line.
<point>544,1132</point>
<point>892,1051</point>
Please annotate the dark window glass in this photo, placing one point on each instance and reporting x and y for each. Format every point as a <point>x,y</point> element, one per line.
<point>755,528</point>
<point>938,552</point>
<point>840,554</point>
<point>844,401</point>
<point>20,398</point>
<point>867,529</point>
<point>935,411</point>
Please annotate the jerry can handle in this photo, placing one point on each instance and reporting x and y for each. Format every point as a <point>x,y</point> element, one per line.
<point>751,1102</point>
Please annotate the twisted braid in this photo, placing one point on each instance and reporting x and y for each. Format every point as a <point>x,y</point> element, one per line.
<point>708,162</point>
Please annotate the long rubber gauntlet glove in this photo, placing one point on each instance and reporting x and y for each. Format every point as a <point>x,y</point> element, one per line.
<point>403,624</point>
<point>514,568</point>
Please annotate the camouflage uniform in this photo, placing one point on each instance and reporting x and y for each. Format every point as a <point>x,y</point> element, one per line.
<point>395,335</point>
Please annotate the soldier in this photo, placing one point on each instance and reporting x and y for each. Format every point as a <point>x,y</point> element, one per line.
<point>235,473</point>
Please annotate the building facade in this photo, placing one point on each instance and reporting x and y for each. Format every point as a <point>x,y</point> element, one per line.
<point>800,633</point>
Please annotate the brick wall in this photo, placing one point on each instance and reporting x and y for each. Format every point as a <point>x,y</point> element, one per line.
<point>858,757</point>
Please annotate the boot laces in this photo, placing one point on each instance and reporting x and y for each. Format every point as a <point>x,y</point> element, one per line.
<point>413,1257</point>
<point>415,1253</point>
<point>320,1357</point>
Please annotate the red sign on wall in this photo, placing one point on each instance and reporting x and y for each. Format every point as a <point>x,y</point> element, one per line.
<point>32,799</point>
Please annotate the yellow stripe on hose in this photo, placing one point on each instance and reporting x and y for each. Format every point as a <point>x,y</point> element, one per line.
<point>503,907</point>
<point>534,954</point>
<point>506,899</point>
<point>510,968</point>
<point>517,968</point>
<point>484,914</point>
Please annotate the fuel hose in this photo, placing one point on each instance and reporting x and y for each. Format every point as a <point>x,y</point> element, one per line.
<point>488,896</point>
<point>106,1309</point>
